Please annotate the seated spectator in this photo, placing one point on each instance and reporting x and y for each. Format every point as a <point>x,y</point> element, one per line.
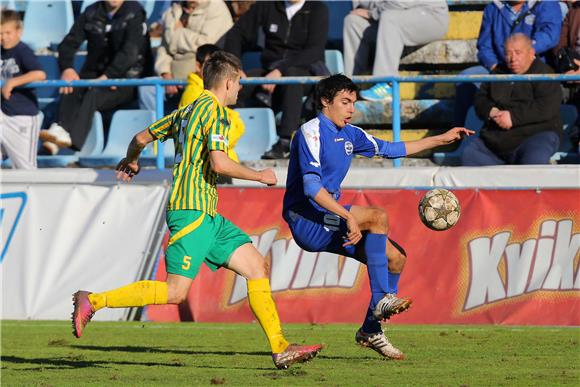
<point>385,28</point>
<point>522,119</point>
<point>295,36</point>
<point>186,26</point>
<point>540,20</point>
<point>19,121</point>
<point>117,47</point>
<point>194,89</point>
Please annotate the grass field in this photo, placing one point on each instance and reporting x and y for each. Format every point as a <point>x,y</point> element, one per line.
<point>135,354</point>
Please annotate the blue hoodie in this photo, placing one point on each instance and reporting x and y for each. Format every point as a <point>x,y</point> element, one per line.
<point>542,23</point>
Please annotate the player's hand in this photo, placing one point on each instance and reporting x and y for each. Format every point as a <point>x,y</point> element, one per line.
<point>126,170</point>
<point>454,134</point>
<point>68,75</point>
<point>274,74</point>
<point>268,177</point>
<point>354,234</point>
<point>7,89</point>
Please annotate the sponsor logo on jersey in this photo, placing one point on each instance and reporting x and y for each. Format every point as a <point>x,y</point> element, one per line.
<point>339,139</point>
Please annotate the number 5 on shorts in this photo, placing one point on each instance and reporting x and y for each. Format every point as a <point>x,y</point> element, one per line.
<point>186,262</point>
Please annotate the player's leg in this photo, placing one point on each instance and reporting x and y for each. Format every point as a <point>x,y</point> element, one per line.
<point>243,258</point>
<point>190,239</point>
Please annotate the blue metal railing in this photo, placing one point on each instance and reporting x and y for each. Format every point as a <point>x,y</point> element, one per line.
<point>395,81</point>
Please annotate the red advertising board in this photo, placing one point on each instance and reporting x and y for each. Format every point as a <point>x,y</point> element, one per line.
<point>512,258</point>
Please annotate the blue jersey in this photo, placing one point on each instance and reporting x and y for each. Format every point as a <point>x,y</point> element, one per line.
<point>321,148</point>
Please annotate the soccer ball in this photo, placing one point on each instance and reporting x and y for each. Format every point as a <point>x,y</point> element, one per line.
<point>439,209</point>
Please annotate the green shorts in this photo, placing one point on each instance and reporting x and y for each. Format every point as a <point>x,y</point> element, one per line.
<point>196,237</point>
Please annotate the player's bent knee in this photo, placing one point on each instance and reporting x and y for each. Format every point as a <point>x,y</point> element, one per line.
<point>380,219</point>
<point>397,262</point>
<point>176,295</point>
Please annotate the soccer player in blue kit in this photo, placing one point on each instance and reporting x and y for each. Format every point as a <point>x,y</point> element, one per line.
<point>320,156</point>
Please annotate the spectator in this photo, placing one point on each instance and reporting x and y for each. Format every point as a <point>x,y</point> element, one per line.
<point>19,121</point>
<point>295,36</point>
<point>540,20</point>
<point>186,26</point>
<point>522,119</point>
<point>194,89</point>
<point>238,8</point>
<point>386,27</point>
<point>118,47</point>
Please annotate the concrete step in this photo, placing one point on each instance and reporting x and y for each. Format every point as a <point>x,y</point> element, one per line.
<point>443,52</point>
<point>464,25</point>
<point>428,113</point>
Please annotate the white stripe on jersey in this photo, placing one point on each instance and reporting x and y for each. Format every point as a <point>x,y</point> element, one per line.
<point>311,132</point>
<point>370,138</point>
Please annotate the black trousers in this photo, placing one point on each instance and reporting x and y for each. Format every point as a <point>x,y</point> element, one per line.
<point>76,110</point>
<point>286,98</point>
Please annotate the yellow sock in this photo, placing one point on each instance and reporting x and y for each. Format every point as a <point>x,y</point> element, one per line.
<point>136,294</point>
<point>263,307</point>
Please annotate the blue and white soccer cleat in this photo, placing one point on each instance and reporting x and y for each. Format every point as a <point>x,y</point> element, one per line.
<point>379,343</point>
<point>390,305</point>
<point>379,92</point>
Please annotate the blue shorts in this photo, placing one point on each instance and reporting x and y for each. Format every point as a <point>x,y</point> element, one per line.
<point>318,231</point>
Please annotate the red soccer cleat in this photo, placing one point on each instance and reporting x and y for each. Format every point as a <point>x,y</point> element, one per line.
<point>295,353</point>
<point>82,313</point>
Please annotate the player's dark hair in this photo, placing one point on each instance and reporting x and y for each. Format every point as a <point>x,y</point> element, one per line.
<point>9,15</point>
<point>220,65</point>
<point>204,51</point>
<point>329,87</point>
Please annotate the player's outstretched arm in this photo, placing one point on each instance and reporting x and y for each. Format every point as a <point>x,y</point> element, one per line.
<point>129,166</point>
<point>222,164</point>
<point>448,137</point>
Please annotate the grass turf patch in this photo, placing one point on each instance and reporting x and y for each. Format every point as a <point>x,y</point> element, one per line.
<point>44,353</point>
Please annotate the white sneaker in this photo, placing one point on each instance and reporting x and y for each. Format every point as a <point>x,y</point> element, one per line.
<point>379,343</point>
<point>51,147</point>
<point>57,135</point>
<point>389,305</point>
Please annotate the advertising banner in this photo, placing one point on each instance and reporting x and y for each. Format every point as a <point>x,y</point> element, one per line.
<point>512,258</point>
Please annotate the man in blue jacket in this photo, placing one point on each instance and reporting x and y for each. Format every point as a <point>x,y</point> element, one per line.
<point>540,20</point>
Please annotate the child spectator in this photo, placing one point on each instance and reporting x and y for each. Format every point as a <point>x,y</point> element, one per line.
<point>194,89</point>
<point>19,121</point>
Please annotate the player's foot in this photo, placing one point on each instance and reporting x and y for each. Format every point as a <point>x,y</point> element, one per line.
<point>390,305</point>
<point>57,135</point>
<point>295,354</point>
<point>82,313</point>
<point>380,343</point>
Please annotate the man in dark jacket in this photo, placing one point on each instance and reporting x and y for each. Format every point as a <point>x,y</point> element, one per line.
<point>295,35</point>
<point>118,47</point>
<point>522,118</point>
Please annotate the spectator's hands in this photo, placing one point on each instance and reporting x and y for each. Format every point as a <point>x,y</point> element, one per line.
<point>454,134</point>
<point>503,119</point>
<point>68,75</point>
<point>362,12</point>
<point>274,74</point>
<point>268,177</point>
<point>575,72</point>
<point>178,24</point>
<point>7,88</point>
<point>126,170</point>
<point>170,89</point>
<point>104,78</point>
<point>354,234</point>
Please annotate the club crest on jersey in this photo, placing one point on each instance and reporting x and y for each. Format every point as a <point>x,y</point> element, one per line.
<point>348,148</point>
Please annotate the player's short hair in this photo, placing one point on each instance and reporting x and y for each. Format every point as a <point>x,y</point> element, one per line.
<point>329,87</point>
<point>204,51</point>
<point>9,15</point>
<point>219,66</point>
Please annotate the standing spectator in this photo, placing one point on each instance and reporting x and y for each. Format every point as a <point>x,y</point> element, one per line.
<point>118,47</point>
<point>186,26</point>
<point>295,36</point>
<point>386,27</point>
<point>522,119</point>
<point>540,20</point>
<point>19,121</point>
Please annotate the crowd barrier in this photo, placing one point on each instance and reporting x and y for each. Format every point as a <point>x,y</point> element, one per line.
<point>394,80</point>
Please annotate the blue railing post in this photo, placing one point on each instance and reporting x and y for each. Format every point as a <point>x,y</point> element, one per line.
<point>159,110</point>
<point>396,117</point>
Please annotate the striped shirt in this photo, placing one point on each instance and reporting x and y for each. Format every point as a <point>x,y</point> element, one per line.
<point>196,129</point>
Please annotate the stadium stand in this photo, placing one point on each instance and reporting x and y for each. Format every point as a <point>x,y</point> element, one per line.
<point>36,34</point>
<point>260,133</point>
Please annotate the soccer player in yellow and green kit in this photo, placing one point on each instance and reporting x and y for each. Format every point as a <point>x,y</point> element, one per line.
<point>198,234</point>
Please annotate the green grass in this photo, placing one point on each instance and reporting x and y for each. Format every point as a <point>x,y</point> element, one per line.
<point>136,354</point>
